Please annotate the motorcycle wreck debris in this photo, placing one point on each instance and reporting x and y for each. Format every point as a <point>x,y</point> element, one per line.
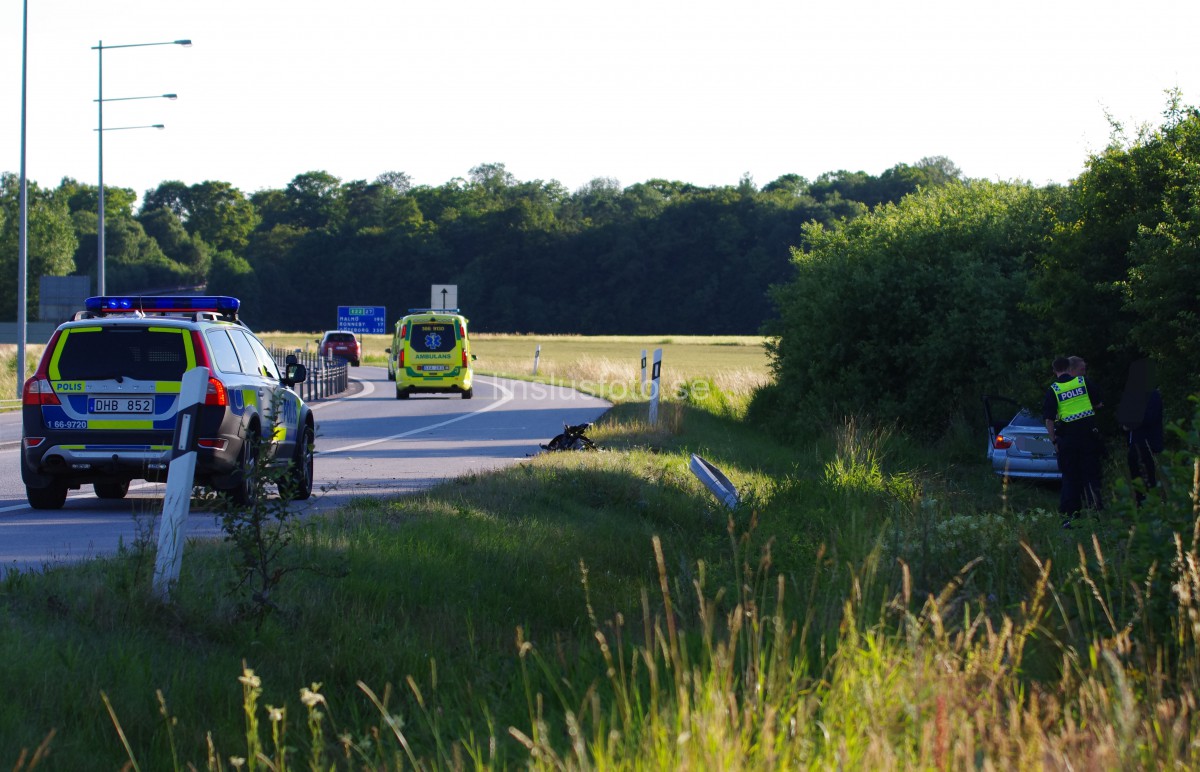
<point>572,438</point>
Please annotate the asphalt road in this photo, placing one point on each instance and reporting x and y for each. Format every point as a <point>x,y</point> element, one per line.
<point>368,444</point>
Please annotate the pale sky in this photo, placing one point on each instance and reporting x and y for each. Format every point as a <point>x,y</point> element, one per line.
<point>571,90</point>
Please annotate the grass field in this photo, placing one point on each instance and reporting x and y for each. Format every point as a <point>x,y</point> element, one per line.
<point>871,604</point>
<point>608,366</point>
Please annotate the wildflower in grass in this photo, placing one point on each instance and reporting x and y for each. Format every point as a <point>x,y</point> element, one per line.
<point>310,696</point>
<point>250,680</point>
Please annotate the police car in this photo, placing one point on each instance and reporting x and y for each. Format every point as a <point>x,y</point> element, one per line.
<point>102,406</point>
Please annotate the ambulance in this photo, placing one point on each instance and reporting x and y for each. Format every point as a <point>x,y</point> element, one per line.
<point>431,354</point>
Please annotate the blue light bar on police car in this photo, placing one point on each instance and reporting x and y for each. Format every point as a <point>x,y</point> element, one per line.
<point>116,304</point>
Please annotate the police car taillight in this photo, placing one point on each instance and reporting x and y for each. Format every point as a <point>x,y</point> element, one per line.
<point>38,391</point>
<point>1001,442</point>
<point>217,394</point>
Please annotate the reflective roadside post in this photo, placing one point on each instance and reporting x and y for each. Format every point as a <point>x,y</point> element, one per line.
<point>180,479</point>
<point>643,372</point>
<point>654,386</point>
<point>537,354</point>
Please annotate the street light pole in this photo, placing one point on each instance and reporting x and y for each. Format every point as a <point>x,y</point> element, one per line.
<point>99,48</point>
<point>23,237</point>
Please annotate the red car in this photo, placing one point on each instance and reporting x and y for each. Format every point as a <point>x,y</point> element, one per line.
<point>342,344</point>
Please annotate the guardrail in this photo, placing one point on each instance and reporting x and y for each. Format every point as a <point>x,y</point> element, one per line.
<point>327,376</point>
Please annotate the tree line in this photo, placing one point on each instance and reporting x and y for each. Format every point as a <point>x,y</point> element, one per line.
<point>657,257</point>
<point>906,294</point>
<point>919,307</point>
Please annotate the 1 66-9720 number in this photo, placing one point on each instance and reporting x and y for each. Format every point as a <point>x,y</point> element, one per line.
<point>66,424</point>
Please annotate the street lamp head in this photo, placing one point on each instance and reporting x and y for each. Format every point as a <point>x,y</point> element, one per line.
<point>170,96</point>
<point>184,43</point>
<point>158,126</point>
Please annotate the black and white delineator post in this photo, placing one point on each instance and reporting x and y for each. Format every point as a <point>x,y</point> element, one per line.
<point>654,386</point>
<point>537,354</point>
<point>643,372</point>
<point>180,476</point>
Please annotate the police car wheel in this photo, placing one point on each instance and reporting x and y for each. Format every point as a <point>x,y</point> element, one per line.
<point>111,490</point>
<point>50,497</point>
<point>300,475</point>
<point>246,489</point>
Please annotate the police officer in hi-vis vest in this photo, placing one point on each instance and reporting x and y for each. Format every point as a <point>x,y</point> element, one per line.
<point>1069,410</point>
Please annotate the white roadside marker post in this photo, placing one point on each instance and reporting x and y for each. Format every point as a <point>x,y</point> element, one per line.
<point>537,354</point>
<point>654,386</point>
<point>180,475</point>
<point>643,372</point>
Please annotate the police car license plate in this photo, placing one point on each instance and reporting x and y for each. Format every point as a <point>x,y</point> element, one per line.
<point>435,368</point>
<point>121,405</point>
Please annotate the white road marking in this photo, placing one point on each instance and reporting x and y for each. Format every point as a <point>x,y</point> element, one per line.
<point>508,397</point>
<point>368,390</point>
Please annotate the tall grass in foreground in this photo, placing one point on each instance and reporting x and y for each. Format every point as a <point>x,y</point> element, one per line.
<point>599,611</point>
<point>912,684</point>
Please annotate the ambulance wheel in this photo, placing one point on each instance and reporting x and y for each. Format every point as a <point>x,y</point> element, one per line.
<point>401,393</point>
<point>468,393</point>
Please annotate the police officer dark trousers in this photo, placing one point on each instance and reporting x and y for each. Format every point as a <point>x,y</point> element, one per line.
<point>1070,418</point>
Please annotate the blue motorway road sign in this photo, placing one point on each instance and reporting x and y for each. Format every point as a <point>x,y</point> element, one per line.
<point>364,320</point>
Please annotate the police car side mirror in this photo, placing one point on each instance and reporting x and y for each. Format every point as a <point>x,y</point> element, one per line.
<point>295,373</point>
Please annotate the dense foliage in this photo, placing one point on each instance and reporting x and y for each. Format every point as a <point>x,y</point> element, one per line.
<point>654,257</point>
<point>918,308</point>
